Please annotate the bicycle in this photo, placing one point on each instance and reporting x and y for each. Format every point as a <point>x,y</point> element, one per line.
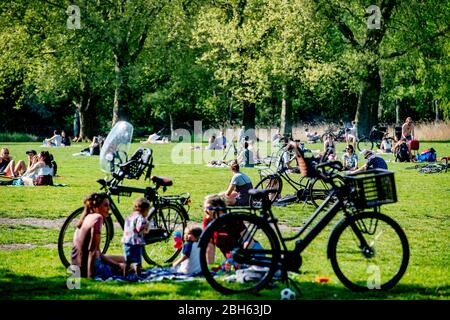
<point>307,189</point>
<point>376,135</point>
<point>167,214</point>
<point>338,134</point>
<point>367,249</point>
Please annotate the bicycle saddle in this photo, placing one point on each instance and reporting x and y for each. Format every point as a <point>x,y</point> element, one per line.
<point>162,181</point>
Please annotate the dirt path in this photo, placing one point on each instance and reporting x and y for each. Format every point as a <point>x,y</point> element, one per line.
<point>18,246</point>
<point>57,223</point>
<point>46,223</point>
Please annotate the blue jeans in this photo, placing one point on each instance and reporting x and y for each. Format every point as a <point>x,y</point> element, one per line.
<point>133,253</point>
<point>102,269</point>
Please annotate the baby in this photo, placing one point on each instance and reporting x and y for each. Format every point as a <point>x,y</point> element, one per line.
<point>189,262</point>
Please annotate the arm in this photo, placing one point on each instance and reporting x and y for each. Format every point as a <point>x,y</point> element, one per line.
<point>230,189</point>
<point>35,166</point>
<point>404,130</point>
<point>362,169</point>
<point>356,164</point>
<point>180,260</point>
<point>92,255</point>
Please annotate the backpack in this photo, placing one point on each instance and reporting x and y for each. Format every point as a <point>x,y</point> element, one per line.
<point>403,153</point>
<point>428,155</point>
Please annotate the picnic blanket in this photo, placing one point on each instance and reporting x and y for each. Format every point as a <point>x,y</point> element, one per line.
<point>153,275</point>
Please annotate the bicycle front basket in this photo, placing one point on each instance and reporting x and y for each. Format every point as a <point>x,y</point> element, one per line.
<point>372,188</point>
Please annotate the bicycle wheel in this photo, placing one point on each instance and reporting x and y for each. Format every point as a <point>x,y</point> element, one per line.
<point>66,234</point>
<point>253,253</point>
<point>269,182</point>
<point>365,143</point>
<point>379,263</point>
<point>324,136</point>
<point>318,191</point>
<point>168,219</point>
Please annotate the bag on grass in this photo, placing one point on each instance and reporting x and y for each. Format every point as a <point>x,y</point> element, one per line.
<point>428,155</point>
<point>403,153</point>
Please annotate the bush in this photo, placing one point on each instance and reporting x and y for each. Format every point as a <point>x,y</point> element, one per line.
<point>17,137</point>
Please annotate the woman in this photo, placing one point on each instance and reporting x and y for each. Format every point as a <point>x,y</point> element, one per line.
<point>385,146</point>
<point>329,147</point>
<point>240,184</point>
<point>86,253</point>
<point>246,157</point>
<point>350,158</point>
<point>65,140</point>
<point>8,168</point>
<point>39,173</point>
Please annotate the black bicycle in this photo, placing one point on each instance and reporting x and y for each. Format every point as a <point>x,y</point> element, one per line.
<point>367,249</point>
<point>307,189</point>
<point>338,134</point>
<point>167,215</point>
<point>376,135</point>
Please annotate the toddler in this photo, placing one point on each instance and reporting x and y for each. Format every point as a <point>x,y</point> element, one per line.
<point>133,234</point>
<point>189,262</point>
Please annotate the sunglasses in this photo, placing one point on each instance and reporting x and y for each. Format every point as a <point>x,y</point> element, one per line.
<point>215,209</point>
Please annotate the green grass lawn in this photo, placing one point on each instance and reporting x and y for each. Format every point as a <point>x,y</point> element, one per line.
<point>37,273</point>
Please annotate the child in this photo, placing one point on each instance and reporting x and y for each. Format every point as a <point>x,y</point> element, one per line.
<point>229,236</point>
<point>133,234</point>
<point>189,262</point>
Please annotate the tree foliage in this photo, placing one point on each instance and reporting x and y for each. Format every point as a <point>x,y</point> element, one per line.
<point>165,64</point>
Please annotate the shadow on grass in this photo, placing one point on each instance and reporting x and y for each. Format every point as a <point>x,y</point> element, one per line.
<point>25,287</point>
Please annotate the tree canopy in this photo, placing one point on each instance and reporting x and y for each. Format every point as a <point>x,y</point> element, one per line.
<point>166,63</point>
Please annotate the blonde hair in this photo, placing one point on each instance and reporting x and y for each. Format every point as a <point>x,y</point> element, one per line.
<point>3,151</point>
<point>141,204</point>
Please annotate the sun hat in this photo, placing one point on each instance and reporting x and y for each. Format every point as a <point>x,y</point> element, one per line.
<point>366,153</point>
<point>32,152</point>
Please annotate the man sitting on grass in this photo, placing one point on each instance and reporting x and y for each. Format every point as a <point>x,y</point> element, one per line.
<point>373,162</point>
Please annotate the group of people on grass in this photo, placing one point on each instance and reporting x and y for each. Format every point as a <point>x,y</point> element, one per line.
<point>86,253</point>
<point>40,170</point>
<point>86,250</point>
<point>57,140</point>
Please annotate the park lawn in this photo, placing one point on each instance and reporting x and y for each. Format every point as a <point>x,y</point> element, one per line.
<point>422,210</point>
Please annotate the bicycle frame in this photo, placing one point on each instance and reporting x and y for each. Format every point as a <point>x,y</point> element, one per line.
<point>337,200</point>
<point>304,241</point>
<point>150,193</point>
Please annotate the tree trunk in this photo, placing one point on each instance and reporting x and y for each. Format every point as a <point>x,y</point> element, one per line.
<point>87,118</point>
<point>286,111</point>
<point>171,127</point>
<point>436,110</point>
<point>397,113</point>
<point>249,118</point>
<point>117,91</point>
<point>369,97</point>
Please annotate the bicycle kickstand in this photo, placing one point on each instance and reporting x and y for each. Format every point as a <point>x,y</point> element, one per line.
<point>289,281</point>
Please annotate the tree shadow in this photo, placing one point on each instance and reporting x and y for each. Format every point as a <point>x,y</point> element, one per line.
<point>26,287</point>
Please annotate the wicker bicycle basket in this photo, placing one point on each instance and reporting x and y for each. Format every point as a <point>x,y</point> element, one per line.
<point>372,188</point>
